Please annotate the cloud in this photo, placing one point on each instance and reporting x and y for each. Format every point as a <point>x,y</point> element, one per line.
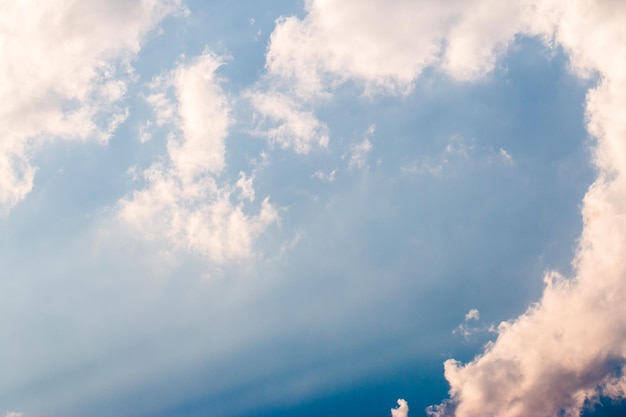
<point>360,151</point>
<point>457,150</point>
<point>186,201</point>
<point>65,66</point>
<point>330,177</point>
<point>569,348</point>
<point>466,330</point>
<point>383,48</point>
<point>402,410</point>
<point>473,314</point>
<point>285,124</point>
<point>386,47</point>
<point>505,157</point>
<point>13,414</point>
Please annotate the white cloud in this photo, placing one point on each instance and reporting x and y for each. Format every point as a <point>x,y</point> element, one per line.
<point>456,149</point>
<point>386,46</point>
<point>285,124</point>
<point>330,177</point>
<point>466,330</point>
<point>360,151</point>
<point>570,347</point>
<point>402,410</point>
<point>64,63</point>
<point>184,202</point>
<point>473,314</point>
<point>162,106</point>
<point>505,157</point>
<point>13,414</point>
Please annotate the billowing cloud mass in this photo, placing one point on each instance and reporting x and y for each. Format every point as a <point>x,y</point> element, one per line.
<point>65,64</point>
<point>185,202</point>
<point>387,46</point>
<point>571,346</point>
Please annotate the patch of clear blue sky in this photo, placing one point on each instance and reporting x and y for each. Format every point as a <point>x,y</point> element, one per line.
<point>355,315</point>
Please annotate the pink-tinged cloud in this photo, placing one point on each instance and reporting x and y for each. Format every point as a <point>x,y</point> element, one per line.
<point>569,347</point>
<point>402,410</point>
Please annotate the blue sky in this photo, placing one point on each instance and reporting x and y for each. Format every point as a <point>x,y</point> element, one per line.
<point>306,208</point>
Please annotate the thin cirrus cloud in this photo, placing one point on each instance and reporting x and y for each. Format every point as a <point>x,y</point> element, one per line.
<point>64,64</point>
<point>569,347</point>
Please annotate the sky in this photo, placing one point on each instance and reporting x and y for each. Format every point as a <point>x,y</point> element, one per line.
<point>312,208</point>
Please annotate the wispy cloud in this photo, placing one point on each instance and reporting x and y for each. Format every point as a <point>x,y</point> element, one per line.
<point>466,329</point>
<point>284,122</point>
<point>458,151</point>
<point>505,157</point>
<point>473,314</point>
<point>65,66</point>
<point>186,202</point>
<point>359,152</point>
<point>329,177</point>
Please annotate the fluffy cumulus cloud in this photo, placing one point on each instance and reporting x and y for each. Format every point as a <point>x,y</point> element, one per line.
<point>64,67</point>
<point>381,45</point>
<point>569,348</point>
<point>387,45</point>
<point>402,410</point>
<point>186,201</point>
